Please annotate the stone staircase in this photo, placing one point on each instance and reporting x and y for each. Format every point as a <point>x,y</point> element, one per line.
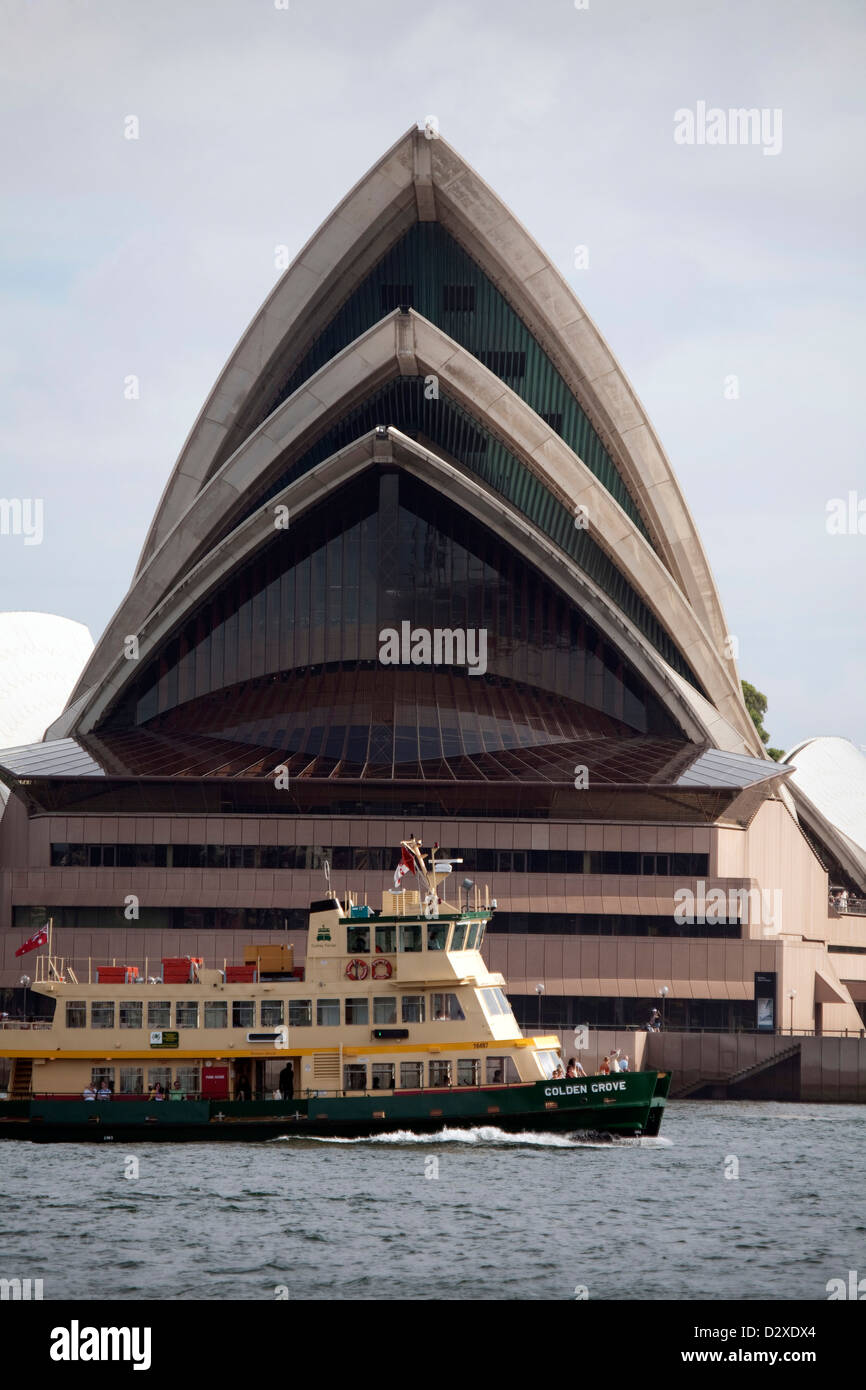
<point>735,1077</point>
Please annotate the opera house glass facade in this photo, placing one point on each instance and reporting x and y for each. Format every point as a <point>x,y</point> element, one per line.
<point>423,567</point>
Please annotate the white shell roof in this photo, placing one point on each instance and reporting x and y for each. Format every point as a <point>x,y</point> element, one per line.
<point>831,774</point>
<point>41,658</point>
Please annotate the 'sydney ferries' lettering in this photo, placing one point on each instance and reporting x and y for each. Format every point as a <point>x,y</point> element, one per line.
<point>581,1090</point>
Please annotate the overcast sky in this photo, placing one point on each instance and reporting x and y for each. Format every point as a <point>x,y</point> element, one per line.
<point>150,256</point>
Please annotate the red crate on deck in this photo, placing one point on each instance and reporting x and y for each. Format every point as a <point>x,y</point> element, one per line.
<point>116,974</point>
<point>179,970</point>
<point>241,974</point>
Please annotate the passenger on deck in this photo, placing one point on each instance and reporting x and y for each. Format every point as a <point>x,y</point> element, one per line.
<point>574,1068</point>
<point>623,1062</point>
<point>287,1081</point>
<point>604,1069</point>
<point>89,1093</point>
<point>104,1092</point>
<point>558,1074</point>
<point>614,1061</point>
<point>158,1093</point>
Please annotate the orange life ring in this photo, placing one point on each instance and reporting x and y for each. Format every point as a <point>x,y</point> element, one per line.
<point>357,970</point>
<point>382,970</point>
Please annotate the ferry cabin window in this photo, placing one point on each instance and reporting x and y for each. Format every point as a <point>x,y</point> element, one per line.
<point>102,1014</point>
<point>500,1070</point>
<point>216,1013</point>
<point>358,940</point>
<point>130,1014</point>
<point>76,1013</point>
<point>386,941</point>
<point>243,1013</point>
<point>102,1076</point>
<point>458,941</point>
<point>472,936</point>
<point>445,1008</point>
<point>440,1073</point>
<point>328,1013</point>
<point>300,1013</point>
<point>504,1005</point>
<point>412,1075</point>
<point>159,1076</point>
<point>382,1076</point>
<point>357,1011</point>
<point>412,1008</point>
<point>131,1081</point>
<point>187,1079</point>
<point>469,1071</point>
<point>158,1013</point>
<point>491,1003</point>
<point>186,1013</point>
<point>548,1062</point>
<point>272,1013</point>
<point>354,1077</point>
<point>410,937</point>
<point>437,936</point>
<point>384,1009</point>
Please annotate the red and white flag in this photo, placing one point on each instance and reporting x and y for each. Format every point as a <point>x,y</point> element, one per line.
<point>32,943</point>
<point>406,866</point>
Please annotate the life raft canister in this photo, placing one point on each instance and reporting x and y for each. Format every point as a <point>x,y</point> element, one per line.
<point>357,969</point>
<point>382,970</point>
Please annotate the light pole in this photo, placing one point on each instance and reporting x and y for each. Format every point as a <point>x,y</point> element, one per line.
<point>792,995</point>
<point>664,992</point>
<point>539,990</point>
<point>25,981</point>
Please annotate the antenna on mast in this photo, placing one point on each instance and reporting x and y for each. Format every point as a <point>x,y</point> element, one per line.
<point>327,868</point>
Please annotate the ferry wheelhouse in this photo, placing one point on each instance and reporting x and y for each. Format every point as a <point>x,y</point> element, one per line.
<point>394,1022</point>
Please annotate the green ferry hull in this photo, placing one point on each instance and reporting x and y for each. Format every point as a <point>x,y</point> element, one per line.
<point>626,1105</point>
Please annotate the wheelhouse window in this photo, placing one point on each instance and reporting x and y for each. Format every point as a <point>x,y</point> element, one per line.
<point>382,1076</point>
<point>410,936</point>
<point>131,1013</point>
<point>216,1013</point>
<point>272,1013</point>
<point>412,1075</point>
<point>473,936</point>
<point>354,1077</point>
<point>458,940</point>
<point>300,1013</point>
<point>469,1071</point>
<point>412,1008</point>
<point>76,1013</point>
<point>445,1008</point>
<point>504,1005</point>
<point>357,1011</point>
<point>158,1013</point>
<point>440,1073</point>
<point>437,936</point>
<point>102,1013</point>
<point>358,939</point>
<point>243,1013</point>
<point>328,1013</point>
<point>384,1009</point>
<point>131,1081</point>
<point>386,940</point>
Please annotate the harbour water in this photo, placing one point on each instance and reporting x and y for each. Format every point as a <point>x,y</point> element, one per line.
<point>734,1200</point>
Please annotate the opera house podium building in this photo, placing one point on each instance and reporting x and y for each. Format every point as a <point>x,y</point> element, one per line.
<point>423,567</point>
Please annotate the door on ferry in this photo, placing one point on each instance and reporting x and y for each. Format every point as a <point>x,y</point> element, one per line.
<point>215,1083</point>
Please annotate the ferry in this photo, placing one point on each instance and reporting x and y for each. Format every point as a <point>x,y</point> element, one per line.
<point>393,1023</point>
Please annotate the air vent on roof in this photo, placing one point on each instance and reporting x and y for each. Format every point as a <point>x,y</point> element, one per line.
<point>459,297</point>
<point>394,296</point>
<point>505,364</point>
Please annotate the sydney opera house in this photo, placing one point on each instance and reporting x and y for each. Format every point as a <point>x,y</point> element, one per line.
<point>423,567</point>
